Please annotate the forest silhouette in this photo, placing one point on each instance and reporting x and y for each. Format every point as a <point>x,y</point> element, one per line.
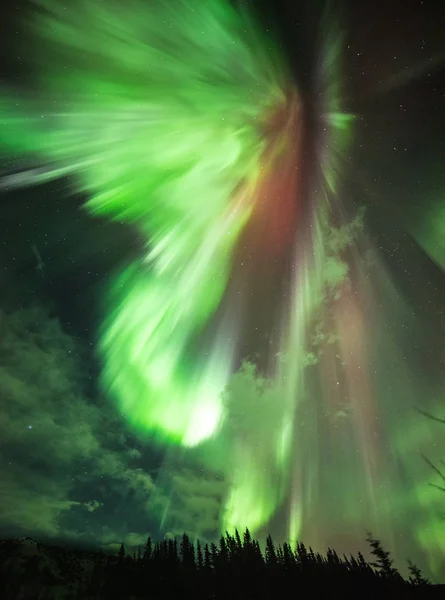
<point>236,567</point>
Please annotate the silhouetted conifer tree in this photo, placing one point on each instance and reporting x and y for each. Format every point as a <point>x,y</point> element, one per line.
<point>416,576</point>
<point>231,547</point>
<point>257,550</point>
<point>332,557</point>
<point>247,539</point>
<point>199,556</point>
<point>384,561</point>
<point>172,553</point>
<point>187,552</point>
<point>270,553</point>
<point>207,558</point>
<point>223,552</point>
<point>214,555</point>
<point>362,562</point>
<point>352,563</point>
<point>280,555</point>
<point>288,557</point>
<point>238,539</point>
<point>148,551</point>
<point>121,553</point>
<point>301,554</point>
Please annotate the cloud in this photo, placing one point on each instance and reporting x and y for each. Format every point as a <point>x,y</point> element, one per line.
<point>132,541</point>
<point>30,502</point>
<point>67,468</point>
<point>190,499</point>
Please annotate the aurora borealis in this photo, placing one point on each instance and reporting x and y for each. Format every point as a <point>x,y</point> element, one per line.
<point>261,351</point>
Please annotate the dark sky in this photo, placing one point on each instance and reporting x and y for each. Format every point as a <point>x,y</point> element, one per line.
<point>394,82</point>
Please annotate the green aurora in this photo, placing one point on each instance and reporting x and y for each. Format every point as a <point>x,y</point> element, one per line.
<point>182,120</point>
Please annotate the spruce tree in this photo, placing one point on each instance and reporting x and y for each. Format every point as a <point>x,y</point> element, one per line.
<point>207,558</point>
<point>148,550</point>
<point>199,556</point>
<point>121,553</point>
<point>223,551</point>
<point>214,556</point>
<point>247,539</point>
<point>238,539</point>
<point>270,553</point>
<point>187,552</point>
<point>384,561</point>
<point>415,575</point>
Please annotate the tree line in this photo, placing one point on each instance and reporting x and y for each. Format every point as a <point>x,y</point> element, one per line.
<point>237,568</point>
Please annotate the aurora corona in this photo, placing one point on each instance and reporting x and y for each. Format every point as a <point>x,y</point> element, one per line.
<point>181,119</point>
<point>191,133</point>
<point>164,129</point>
<point>187,133</point>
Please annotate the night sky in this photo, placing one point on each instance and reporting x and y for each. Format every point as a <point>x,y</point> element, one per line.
<point>296,277</point>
